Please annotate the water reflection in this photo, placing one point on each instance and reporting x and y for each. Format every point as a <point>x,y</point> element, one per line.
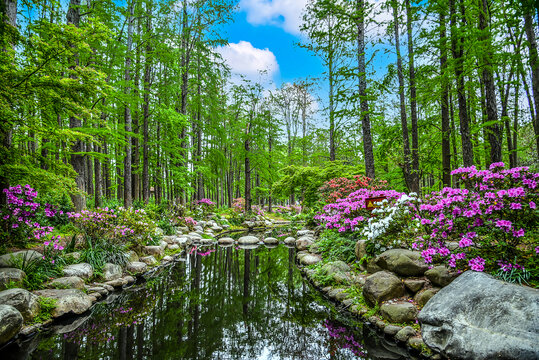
<point>228,303</point>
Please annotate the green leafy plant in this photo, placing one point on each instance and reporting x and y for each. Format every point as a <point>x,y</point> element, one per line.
<point>47,305</point>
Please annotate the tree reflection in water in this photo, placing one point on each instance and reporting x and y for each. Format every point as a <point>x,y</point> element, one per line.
<point>217,303</point>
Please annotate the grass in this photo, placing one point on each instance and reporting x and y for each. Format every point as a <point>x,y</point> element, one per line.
<point>47,305</point>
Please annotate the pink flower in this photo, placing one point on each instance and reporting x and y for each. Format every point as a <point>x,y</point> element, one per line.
<point>519,233</point>
<point>515,206</point>
<point>477,264</point>
<point>532,205</point>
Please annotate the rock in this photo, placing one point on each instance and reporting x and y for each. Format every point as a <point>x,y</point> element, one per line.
<point>310,259</point>
<point>67,301</point>
<point>67,282</point>
<point>341,296</point>
<point>361,249</point>
<point>382,286</point>
<point>169,239</point>
<point>304,242</point>
<point>414,285</point>
<point>416,343</point>
<point>82,270</point>
<point>271,241</point>
<point>183,241</point>
<point>196,235</point>
<point>406,333</point>
<point>129,279</point>
<point>117,283</point>
<point>216,228</point>
<point>403,262</point>
<point>479,317</point>
<point>248,240</point>
<point>380,324</point>
<point>372,267</point>
<point>173,247</point>
<point>334,292</point>
<point>401,312</point>
<point>98,289</point>
<point>204,241</point>
<point>137,267</point>
<point>132,256</point>
<point>7,259</point>
<point>149,260</point>
<point>153,250</point>
<point>167,258</point>
<point>392,330</point>
<point>440,276</point>
<point>422,297</point>
<point>305,232</point>
<point>22,300</point>
<point>11,275</point>
<point>10,323</point>
<point>74,255</point>
<point>112,272</point>
<point>338,271</point>
<point>290,241</point>
<point>226,241</point>
<point>162,245</point>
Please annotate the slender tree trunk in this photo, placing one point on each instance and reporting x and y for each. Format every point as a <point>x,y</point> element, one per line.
<point>362,88</point>
<point>128,191</point>
<point>494,131</point>
<point>146,108</point>
<point>248,167</point>
<point>98,179</point>
<point>414,175</point>
<point>331,75</point>
<point>77,159</point>
<point>404,121</point>
<point>446,127</point>
<point>534,64</point>
<point>458,54</point>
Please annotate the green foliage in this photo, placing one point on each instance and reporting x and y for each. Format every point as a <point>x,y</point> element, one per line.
<point>102,252</point>
<point>337,246</point>
<point>47,305</point>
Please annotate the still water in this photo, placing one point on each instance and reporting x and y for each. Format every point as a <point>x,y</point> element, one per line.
<point>215,303</point>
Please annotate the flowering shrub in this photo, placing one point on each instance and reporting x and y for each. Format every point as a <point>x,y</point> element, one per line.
<point>203,207</point>
<point>349,213</point>
<point>136,222</point>
<point>341,187</point>
<point>493,219</point>
<point>187,221</point>
<point>19,217</point>
<point>287,210</point>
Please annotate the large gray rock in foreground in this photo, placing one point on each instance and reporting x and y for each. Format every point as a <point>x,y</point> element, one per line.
<point>8,275</point>
<point>382,286</point>
<point>478,317</point>
<point>26,255</point>
<point>82,270</point>
<point>10,322</point>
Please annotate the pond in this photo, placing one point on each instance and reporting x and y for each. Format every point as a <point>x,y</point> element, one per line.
<point>215,303</point>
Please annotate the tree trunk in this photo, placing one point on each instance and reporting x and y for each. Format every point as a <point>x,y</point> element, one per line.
<point>404,121</point>
<point>446,129</point>
<point>458,54</point>
<point>247,168</point>
<point>414,175</point>
<point>77,159</point>
<point>362,88</point>
<point>534,64</point>
<point>128,191</point>
<point>494,131</point>
<point>331,74</point>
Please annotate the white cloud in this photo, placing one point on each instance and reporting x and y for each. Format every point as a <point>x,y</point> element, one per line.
<point>246,60</point>
<point>286,14</point>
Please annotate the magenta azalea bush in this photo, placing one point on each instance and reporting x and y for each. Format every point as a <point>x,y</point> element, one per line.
<point>492,221</point>
<point>490,225</point>
<point>350,213</point>
<point>20,217</point>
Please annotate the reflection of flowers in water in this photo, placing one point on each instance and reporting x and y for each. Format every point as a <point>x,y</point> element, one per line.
<point>194,248</point>
<point>343,338</point>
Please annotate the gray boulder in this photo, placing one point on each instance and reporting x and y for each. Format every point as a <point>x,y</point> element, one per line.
<point>290,241</point>
<point>403,262</point>
<point>226,241</point>
<point>382,286</point>
<point>137,267</point>
<point>7,259</point>
<point>405,333</point>
<point>132,256</point>
<point>305,232</point>
<point>11,275</point>
<point>271,241</point>
<point>440,276</point>
<point>68,301</point>
<point>22,300</point>
<point>82,270</point>
<point>149,260</point>
<point>400,312</point>
<point>414,285</point>
<point>479,317</point>
<point>422,297</point>
<point>67,282</point>
<point>173,247</point>
<point>309,259</point>
<point>304,242</point>
<point>10,322</point>
<point>248,240</point>
<point>112,272</point>
<point>361,249</point>
<point>154,250</point>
